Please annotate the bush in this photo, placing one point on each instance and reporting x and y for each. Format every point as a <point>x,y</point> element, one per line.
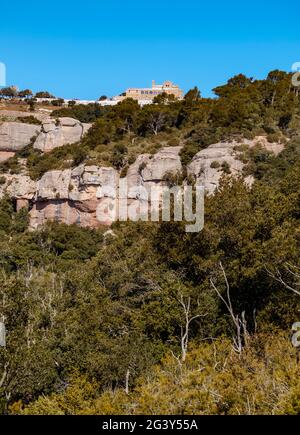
<point>226,168</point>
<point>29,120</point>
<point>215,164</point>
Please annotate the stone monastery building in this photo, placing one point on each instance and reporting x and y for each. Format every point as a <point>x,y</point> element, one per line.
<point>149,93</point>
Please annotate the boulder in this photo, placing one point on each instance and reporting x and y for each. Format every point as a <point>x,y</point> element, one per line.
<point>18,186</point>
<point>206,165</point>
<point>54,185</point>
<point>65,131</point>
<point>164,161</point>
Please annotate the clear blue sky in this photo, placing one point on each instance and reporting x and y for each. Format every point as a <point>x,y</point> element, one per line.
<point>89,48</point>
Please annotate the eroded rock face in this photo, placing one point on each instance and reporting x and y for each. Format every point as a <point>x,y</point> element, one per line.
<point>65,131</point>
<point>91,196</point>
<point>19,187</point>
<point>88,195</point>
<point>166,160</point>
<point>77,196</point>
<point>206,165</point>
<point>16,135</point>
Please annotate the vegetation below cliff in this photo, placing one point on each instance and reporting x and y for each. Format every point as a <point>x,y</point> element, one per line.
<point>85,310</point>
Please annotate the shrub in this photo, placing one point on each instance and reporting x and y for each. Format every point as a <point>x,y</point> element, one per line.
<point>226,168</point>
<point>29,120</point>
<point>215,164</point>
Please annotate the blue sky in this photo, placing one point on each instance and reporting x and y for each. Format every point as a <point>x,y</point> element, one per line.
<point>86,49</point>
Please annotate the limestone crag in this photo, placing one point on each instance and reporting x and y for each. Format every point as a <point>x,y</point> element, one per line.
<point>91,196</point>
<point>51,134</point>
<point>16,135</point>
<point>57,134</point>
<point>74,196</point>
<point>87,195</point>
<point>164,161</point>
<point>206,165</point>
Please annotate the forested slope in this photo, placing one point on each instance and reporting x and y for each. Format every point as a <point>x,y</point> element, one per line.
<point>96,321</point>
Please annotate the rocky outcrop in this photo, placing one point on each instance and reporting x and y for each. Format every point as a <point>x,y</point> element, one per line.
<point>91,196</point>
<point>87,195</point>
<point>19,187</point>
<point>207,165</point>
<point>166,160</point>
<point>51,134</point>
<point>56,134</point>
<point>75,196</point>
<point>16,135</point>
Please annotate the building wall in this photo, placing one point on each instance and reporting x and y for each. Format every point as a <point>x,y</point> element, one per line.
<point>150,93</point>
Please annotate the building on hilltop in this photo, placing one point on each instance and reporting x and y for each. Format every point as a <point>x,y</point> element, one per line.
<point>148,94</point>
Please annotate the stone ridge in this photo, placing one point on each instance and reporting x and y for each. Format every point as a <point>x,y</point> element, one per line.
<point>83,195</point>
<point>51,134</point>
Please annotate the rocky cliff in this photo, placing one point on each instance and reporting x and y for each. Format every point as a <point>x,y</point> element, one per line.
<point>85,194</point>
<point>206,165</point>
<point>48,135</point>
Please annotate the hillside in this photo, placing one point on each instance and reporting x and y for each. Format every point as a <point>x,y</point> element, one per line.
<point>143,317</point>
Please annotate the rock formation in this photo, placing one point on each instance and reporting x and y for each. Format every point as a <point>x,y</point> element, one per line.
<point>206,165</point>
<point>51,134</point>
<point>56,134</point>
<point>16,135</point>
<point>91,196</point>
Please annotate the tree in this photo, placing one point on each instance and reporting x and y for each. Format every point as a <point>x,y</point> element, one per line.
<point>126,113</point>
<point>26,93</point>
<point>103,97</point>
<point>164,98</point>
<point>31,106</point>
<point>193,95</point>
<point>153,119</point>
<point>44,94</point>
<point>241,334</point>
<point>10,92</point>
<point>236,83</point>
<point>59,102</point>
<point>119,156</point>
<point>185,329</point>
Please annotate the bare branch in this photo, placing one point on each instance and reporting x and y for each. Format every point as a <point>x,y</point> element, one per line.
<point>2,380</point>
<point>277,277</point>
<point>239,322</point>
